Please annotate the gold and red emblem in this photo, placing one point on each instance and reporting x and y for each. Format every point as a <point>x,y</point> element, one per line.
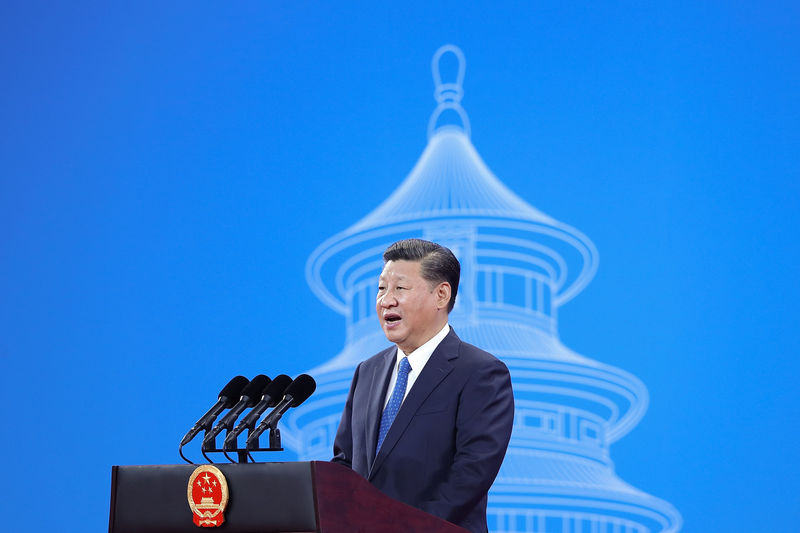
<point>208,495</point>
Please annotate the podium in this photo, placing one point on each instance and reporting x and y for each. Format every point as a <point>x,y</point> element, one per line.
<point>292,497</point>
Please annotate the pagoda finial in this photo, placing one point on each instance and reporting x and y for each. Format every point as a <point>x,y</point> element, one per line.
<point>449,94</point>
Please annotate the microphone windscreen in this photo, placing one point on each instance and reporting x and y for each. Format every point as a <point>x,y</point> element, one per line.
<point>255,389</point>
<point>301,388</point>
<point>233,390</point>
<point>276,389</point>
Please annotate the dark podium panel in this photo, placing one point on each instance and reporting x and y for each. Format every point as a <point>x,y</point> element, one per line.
<point>264,498</point>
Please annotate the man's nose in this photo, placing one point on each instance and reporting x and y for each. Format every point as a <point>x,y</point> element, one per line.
<point>388,300</point>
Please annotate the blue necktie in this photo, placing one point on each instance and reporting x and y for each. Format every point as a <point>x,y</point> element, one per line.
<point>394,401</point>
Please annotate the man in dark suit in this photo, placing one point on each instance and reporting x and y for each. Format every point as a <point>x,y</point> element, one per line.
<point>428,420</point>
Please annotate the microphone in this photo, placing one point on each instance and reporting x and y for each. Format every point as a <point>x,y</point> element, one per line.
<point>296,393</point>
<point>250,393</point>
<point>226,400</point>
<point>273,391</point>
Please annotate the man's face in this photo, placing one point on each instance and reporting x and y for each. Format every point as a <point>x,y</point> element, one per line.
<point>410,309</point>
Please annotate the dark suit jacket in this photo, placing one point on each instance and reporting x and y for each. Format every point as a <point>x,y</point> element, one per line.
<point>448,440</point>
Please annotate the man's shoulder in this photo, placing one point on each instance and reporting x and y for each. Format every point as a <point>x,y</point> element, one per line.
<point>379,357</point>
<point>472,353</point>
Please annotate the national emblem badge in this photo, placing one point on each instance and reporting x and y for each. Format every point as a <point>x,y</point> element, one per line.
<point>208,495</point>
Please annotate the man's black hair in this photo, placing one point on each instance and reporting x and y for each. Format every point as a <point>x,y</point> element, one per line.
<point>437,263</point>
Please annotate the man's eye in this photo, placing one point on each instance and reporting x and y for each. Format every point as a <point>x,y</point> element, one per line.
<point>381,289</point>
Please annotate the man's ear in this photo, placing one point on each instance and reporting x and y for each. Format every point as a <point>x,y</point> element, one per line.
<point>443,291</point>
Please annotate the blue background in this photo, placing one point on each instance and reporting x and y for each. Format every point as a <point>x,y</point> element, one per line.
<point>167,168</point>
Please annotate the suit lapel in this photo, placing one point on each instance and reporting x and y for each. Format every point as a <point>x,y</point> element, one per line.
<point>436,369</point>
<point>380,380</point>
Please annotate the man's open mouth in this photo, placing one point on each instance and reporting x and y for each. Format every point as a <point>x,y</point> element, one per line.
<point>391,318</point>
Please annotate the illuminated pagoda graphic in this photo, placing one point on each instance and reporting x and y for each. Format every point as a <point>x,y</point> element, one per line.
<point>518,267</point>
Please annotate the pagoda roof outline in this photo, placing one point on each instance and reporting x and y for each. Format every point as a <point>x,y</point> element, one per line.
<point>450,179</point>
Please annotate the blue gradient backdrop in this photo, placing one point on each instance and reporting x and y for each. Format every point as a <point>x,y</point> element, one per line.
<point>167,168</point>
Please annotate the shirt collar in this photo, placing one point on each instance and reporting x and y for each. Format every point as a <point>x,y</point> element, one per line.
<point>420,356</point>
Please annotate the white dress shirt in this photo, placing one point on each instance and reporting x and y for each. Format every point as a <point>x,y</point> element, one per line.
<point>417,360</point>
